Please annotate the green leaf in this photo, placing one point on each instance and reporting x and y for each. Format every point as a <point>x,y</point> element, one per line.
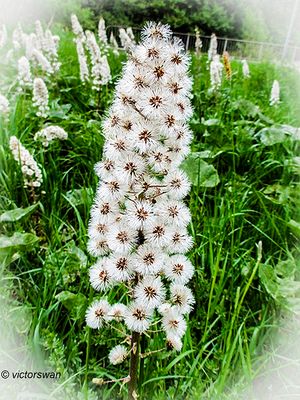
<point>10,245</point>
<point>211,122</point>
<point>72,249</point>
<point>75,303</point>
<point>269,280</point>
<point>17,214</point>
<point>199,171</point>
<point>271,136</point>
<point>294,226</point>
<point>79,196</point>
<point>18,240</point>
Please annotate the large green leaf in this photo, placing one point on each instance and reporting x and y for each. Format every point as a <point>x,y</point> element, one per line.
<point>278,134</point>
<point>11,245</point>
<point>200,173</point>
<point>76,304</point>
<point>270,136</point>
<point>17,214</point>
<point>18,240</point>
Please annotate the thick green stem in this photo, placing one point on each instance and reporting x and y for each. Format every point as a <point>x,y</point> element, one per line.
<point>134,366</point>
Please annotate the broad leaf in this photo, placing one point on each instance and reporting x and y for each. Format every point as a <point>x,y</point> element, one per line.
<point>79,196</point>
<point>18,240</point>
<point>17,214</point>
<point>11,245</point>
<point>200,173</point>
<point>270,136</point>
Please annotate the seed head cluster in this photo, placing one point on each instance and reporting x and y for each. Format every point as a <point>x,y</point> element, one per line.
<point>138,227</point>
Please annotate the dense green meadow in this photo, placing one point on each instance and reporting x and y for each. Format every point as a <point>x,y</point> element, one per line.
<point>244,201</point>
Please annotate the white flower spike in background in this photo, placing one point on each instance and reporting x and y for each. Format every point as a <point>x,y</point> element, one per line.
<point>275,93</point>
<point>40,97</point>
<point>245,68</point>
<point>31,172</point>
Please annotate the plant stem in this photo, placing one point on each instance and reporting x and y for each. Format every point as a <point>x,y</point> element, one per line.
<point>134,364</point>
<point>142,361</point>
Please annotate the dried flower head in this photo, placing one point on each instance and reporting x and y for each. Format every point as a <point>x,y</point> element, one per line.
<point>138,225</point>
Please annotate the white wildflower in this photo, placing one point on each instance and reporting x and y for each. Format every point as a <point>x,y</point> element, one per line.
<point>50,47</point>
<point>83,64</point>
<point>121,238</point>
<point>181,298</point>
<point>126,41</point>
<point>100,67</point>
<point>130,34</point>
<point>120,267</point>
<point>148,260</point>
<point>77,28</point>
<point>275,93</point>
<point>102,31</point>
<point>40,97</point>
<point>245,68</point>
<point>4,105</point>
<point>114,44</point>
<point>139,214</point>
<point>30,45</point>
<point>117,312</point>
<point>216,68</point>
<point>50,133</point>
<point>43,62</point>
<point>39,31</point>
<point>31,172</point>
<point>174,341</point>
<point>24,73</point>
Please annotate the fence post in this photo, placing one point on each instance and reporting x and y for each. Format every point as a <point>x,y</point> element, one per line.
<point>187,42</point>
<point>225,45</point>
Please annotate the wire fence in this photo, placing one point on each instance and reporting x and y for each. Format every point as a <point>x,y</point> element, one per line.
<point>237,48</point>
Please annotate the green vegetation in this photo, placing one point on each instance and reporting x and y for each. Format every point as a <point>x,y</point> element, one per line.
<point>245,210</point>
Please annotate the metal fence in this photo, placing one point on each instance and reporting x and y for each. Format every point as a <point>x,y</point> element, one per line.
<point>237,48</point>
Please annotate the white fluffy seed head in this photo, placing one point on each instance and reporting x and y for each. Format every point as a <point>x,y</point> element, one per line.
<point>100,276</point>
<point>150,292</point>
<point>138,220</point>
<point>97,313</point>
<point>179,269</point>
<point>118,354</point>
<point>137,317</point>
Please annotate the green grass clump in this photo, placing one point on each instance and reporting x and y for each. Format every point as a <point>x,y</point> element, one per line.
<point>244,204</point>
